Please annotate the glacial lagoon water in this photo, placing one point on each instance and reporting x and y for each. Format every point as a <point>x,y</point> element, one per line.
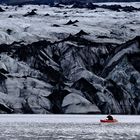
<point>68,127</point>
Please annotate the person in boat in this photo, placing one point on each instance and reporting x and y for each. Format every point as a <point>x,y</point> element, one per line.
<point>109,117</point>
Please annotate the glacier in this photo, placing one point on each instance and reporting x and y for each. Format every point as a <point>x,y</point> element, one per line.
<point>65,60</point>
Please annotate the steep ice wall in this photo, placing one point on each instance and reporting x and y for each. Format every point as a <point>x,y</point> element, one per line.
<point>73,75</point>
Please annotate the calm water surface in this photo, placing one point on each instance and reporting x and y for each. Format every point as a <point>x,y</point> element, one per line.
<point>67,127</point>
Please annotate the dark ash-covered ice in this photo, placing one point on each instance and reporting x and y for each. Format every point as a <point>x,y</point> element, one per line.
<point>73,75</point>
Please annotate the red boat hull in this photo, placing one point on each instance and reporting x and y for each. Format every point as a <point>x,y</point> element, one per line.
<point>108,121</point>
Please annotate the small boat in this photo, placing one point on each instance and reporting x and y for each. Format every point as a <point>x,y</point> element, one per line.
<point>108,121</point>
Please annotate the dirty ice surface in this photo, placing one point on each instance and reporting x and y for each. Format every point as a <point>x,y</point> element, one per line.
<point>67,127</point>
<point>101,24</point>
